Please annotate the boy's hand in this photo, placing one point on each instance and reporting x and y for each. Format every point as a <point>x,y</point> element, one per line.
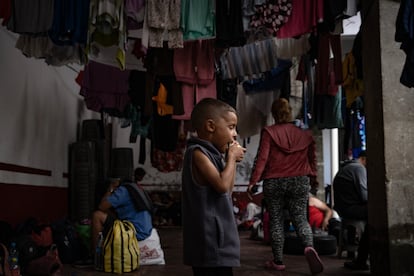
<point>236,151</point>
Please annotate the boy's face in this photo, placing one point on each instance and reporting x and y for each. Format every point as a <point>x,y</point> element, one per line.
<point>225,131</point>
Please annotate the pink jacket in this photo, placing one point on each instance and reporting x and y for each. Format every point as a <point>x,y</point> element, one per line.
<point>284,150</point>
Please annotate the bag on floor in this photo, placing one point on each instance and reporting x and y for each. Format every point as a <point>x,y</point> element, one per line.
<point>150,249</point>
<point>120,248</point>
<point>49,264</point>
<point>68,242</point>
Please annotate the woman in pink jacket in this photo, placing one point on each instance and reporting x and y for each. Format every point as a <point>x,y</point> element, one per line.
<point>285,161</point>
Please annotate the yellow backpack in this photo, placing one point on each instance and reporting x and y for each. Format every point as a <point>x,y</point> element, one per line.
<point>120,248</point>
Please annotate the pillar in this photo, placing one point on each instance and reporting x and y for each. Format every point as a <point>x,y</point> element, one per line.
<point>390,142</point>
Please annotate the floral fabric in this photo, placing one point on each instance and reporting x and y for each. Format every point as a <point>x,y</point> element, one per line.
<point>272,15</point>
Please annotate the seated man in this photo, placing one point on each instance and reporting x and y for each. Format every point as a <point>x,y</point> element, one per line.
<point>350,201</point>
<point>117,204</point>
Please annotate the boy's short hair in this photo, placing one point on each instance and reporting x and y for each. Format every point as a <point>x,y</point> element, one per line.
<point>208,108</point>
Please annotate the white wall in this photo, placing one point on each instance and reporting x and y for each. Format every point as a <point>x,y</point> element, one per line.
<point>40,110</point>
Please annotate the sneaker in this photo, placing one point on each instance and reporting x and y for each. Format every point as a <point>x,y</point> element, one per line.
<point>354,265</point>
<point>271,265</point>
<point>314,262</point>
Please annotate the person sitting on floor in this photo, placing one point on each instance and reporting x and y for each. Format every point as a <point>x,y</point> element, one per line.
<point>320,215</point>
<point>117,204</point>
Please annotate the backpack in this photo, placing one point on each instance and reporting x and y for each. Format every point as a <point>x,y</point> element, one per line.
<point>68,241</point>
<point>140,198</point>
<point>120,248</point>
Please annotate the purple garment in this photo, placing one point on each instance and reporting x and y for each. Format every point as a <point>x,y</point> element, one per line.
<point>105,87</point>
<point>134,9</point>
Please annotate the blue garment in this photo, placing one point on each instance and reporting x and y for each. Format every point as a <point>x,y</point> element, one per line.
<point>273,79</point>
<point>125,210</point>
<point>70,22</point>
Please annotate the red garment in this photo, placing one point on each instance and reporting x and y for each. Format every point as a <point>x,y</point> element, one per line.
<point>328,71</point>
<point>284,151</point>
<point>194,64</point>
<point>303,19</point>
<point>315,217</point>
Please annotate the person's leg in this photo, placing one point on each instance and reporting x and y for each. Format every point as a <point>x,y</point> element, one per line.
<point>363,248</point>
<point>297,197</point>
<point>98,221</point>
<point>360,263</point>
<point>359,212</point>
<point>273,192</point>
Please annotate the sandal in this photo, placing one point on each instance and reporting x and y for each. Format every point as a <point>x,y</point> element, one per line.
<point>314,262</point>
<point>271,265</point>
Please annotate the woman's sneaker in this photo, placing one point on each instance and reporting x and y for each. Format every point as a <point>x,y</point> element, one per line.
<point>314,262</point>
<point>271,265</point>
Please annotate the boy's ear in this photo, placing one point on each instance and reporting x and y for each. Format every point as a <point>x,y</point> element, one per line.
<point>210,125</point>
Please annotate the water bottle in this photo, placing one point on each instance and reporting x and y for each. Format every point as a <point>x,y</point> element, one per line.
<point>98,253</point>
<point>14,260</point>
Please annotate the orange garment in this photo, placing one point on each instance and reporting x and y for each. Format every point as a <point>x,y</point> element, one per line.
<point>353,86</point>
<point>162,107</point>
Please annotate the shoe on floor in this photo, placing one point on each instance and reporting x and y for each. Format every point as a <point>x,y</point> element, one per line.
<point>353,265</point>
<point>271,265</point>
<point>314,262</point>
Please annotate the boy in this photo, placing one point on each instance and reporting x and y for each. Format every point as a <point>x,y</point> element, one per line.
<point>210,239</point>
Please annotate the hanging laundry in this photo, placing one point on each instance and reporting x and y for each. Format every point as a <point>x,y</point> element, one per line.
<point>70,22</point>
<point>272,15</point>
<point>107,27</point>
<point>198,19</point>
<point>229,24</point>
<point>162,20</point>
<point>194,67</point>
<point>105,88</point>
<point>161,99</point>
<point>249,60</point>
<point>304,18</point>
<point>31,17</point>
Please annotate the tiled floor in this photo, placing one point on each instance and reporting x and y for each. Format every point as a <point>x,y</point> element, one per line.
<point>253,256</point>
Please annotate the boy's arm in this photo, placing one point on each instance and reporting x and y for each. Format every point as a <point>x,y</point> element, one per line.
<point>207,174</point>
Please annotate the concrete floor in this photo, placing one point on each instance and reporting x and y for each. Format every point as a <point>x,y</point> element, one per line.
<point>253,256</point>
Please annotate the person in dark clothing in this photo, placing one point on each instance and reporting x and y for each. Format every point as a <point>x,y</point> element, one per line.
<point>211,244</point>
<point>285,161</point>
<point>351,202</point>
